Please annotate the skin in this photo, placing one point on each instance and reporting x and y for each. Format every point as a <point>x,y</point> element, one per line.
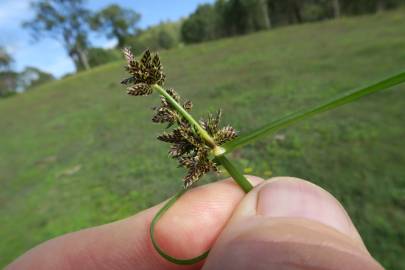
<point>284,224</point>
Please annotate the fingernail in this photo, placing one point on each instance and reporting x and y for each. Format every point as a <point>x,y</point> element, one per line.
<point>300,199</point>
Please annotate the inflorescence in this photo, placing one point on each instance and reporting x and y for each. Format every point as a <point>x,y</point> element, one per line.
<point>187,145</point>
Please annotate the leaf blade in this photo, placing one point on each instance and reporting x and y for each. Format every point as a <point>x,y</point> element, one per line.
<point>294,117</point>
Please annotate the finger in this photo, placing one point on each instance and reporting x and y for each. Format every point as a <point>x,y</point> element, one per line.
<point>289,224</point>
<point>186,230</point>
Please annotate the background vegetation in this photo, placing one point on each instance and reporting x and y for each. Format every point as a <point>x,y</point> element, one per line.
<point>71,23</point>
<point>79,152</point>
<point>227,18</point>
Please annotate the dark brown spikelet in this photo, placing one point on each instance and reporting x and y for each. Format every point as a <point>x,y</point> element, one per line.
<point>173,94</point>
<point>211,124</point>
<point>190,136</point>
<point>156,62</point>
<point>129,56</point>
<point>166,113</point>
<point>147,71</point>
<point>225,134</point>
<point>140,89</point>
<point>197,164</point>
<point>146,59</point>
<point>179,149</point>
<point>172,137</point>
<point>188,105</point>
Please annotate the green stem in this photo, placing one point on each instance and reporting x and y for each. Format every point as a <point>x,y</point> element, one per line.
<point>156,218</point>
<point>218,152</point>
<point>235,173</point>
<point>202,132</point>
<point>306,113</point>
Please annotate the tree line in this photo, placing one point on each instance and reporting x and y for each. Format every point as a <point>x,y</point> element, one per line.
<point>226,18</point>
<point>12,81</point>
<point>70,22</point>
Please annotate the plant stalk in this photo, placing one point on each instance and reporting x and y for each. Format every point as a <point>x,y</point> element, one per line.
<point>237,176</point>
<point>202,132</point>
<point>218,152</point>
<point>162,253</point>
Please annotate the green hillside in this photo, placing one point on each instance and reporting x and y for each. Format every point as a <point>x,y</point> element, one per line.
<point>80,152</point>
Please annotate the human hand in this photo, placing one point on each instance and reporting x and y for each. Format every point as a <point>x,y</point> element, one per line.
<point>283,224</point>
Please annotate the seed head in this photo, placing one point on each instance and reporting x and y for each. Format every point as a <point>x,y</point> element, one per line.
<point>144,73</point>
<point>191,151</point>
<point>187,146</point>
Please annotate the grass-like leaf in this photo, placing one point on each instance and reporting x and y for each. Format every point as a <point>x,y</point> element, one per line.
<point>162,253</point>
<point>291,118</point>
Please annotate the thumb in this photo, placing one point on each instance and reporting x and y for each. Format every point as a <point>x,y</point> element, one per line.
<point>290,224</point>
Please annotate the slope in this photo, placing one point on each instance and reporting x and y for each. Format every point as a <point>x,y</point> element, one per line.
<point>79,152</point>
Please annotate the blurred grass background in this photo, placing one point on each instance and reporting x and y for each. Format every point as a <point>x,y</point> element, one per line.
<point>79,152</point>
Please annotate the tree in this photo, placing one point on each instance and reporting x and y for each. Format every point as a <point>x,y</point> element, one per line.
<point>287,11</point>
<point>264,14</point>
<point>165,40</point>
<point>164,35</point>
<point>116,22</point>
<point>244,16</point>
<point>100,56</point>
<point>5,59</point>
<point>336,8</point>
<point>8,78</point>
<point>358,7</point>
<point>201,25</point>
<point>31,77</point>
<point>237,20</point>
<point>8,83</point>
<point>65,21</point>
<point>226,18</point>
<point>381,5</point>
<point>294,11</point>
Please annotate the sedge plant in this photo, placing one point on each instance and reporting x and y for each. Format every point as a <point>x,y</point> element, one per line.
<point>201,146</point>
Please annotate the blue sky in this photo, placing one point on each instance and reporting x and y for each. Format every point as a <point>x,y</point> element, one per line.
<point>49,55</point>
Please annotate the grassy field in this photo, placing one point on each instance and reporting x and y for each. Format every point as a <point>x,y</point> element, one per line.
<point>79,152</point>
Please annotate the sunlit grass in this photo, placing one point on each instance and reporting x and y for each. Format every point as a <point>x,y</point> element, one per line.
<point>78,153</point>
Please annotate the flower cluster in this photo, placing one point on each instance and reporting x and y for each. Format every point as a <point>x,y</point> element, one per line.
<point>166,113</point>
<point>187,145</point>
<point>190,149</point>
<point>144,73</point>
